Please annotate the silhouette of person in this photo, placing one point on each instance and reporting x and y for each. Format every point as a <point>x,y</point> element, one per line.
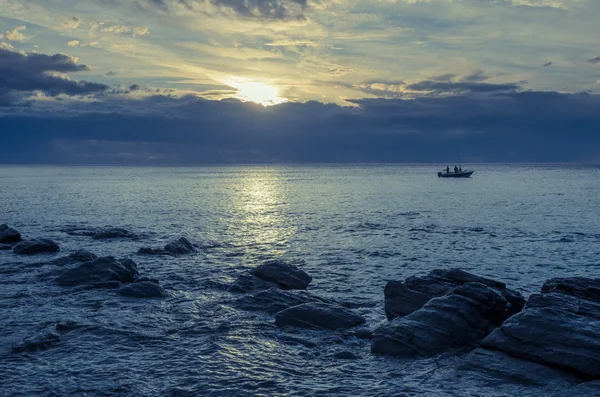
<point>447,169</point>
<point>460,168</point>
<point>455,169</point>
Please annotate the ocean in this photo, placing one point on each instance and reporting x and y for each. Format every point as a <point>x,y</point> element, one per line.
<point>354,226</point>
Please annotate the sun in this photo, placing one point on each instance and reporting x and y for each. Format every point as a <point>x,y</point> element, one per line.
<point>253,91</point>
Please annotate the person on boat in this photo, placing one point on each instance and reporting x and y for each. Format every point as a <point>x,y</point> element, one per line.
<point>460,168</point>
<point>447,169</point>
<point>455,169</point>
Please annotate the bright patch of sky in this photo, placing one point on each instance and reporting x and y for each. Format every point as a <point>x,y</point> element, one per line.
<point>298,50</point>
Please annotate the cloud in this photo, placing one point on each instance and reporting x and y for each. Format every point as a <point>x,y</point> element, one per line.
<point>141,31</point>
<point>73,43</point>
<point>71,23</point>
<point>16,35</point>
<point>594,60</point>
<point>547,64</point>
<point>117,29</point>
<point>21,75</point>
<point>514,126</point>
<point>460,87</point>
<point>110,73</point>
<point>260,9</point>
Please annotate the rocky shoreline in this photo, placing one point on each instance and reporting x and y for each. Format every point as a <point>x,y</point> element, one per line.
<point>494,330</point>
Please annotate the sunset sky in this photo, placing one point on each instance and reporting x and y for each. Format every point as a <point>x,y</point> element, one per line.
<point>387,73</point>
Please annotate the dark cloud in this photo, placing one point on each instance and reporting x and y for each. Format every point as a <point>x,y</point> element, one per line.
<point>594,60</point>
<point>110,73</point>
<point>460,87</point>
<point>476,77</point>
<point>547,64</point>
<point>262,9</point>
<point>514,126</point>
<point>23,74</point>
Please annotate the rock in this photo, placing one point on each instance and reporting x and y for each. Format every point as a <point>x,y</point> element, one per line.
<point>275,300</point>
<point>358,333</point>
<point>5,247</point>
<point>75,257</point>
<point>585,389</point>
<point>285,275</point>
<point>182,246</point>
<point>8,235</point>
<point>35,246</point>
<point>498,368</point>
<point>555,329</point>
<point>146,278</point>
<point>247,282</point>
<point>143,289</point>
<point>575,286</point>
<point>345,355</point>
<point>402,298</point>
<point>41,341</point>
<point>459,319</point>
<point>100,271</point>
<point>114,232</point>
<point>319,316</point>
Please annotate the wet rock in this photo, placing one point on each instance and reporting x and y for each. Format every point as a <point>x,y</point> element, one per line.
<point>181,246</point>
<point>43,340</point>
<point>555,329</point>
<point>585,389</point>
<point>114,232</point>
<point>319,315</point>
<point>580,287</point>
<point>8,235</point>
<point>75,257</point>
<point>275,300</point>
<point>358,333</point>
<point>247,282</point>
<point>143,289</point>
<point>5,247</point>
<point>402,298</point>
<point>285,275</point>
<point>495,367</point>
<point>36,246</point>
<point>345,355</point>
<point>99,271</point>
<point>146,278</point>
<point>461,319</point>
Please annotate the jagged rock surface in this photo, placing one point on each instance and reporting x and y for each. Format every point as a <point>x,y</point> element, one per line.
<point>35,246</point>
<point>275,300</point>
<point>318,315</point>
<point>102,271</point>
<point>8,235</point>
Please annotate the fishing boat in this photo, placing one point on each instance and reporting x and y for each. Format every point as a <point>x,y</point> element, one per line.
<point>458,174</point>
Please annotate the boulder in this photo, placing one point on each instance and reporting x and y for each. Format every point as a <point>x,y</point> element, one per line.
<point>285,275</point>
<point>143,289</point>
<point>402,298</point>
<point>8,235</point>
<point>461,319</point>
<point>113,232</point>
<point>275,300</point>
<point>497,368</point>
<point>247,282</point>
<point>318,315</point>
<point>146,278</point>
<point>75,257</point>
<point>181,246</point>
<point>5,247</point>
<point>581,287</point>
<point>35,246</point>
<point>100,271</point>
<point>561,331</point>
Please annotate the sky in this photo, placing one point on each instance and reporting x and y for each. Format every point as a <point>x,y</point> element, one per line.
<point>269,81</point>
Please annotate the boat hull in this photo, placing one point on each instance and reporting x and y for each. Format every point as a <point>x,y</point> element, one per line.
<point>462,174</point>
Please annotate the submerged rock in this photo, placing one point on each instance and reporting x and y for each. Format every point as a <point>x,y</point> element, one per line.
<point>35,246</point>
<point>285,275</point>
<point>114,232</point>
<point>8,235</point>
<point>555,329</point>
<point>143,289</point>
<point>275,300</point>
<point>100,271</point>
<point>181,246</point>
<point>247,282</point>
<point>319,315</point>
<point>75,257</point>
<point>48,337</point>
<point>495,367</point>
<point>402,298</point>
<point>460,319</point>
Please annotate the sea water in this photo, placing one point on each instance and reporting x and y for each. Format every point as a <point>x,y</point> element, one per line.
<point>354,226</point>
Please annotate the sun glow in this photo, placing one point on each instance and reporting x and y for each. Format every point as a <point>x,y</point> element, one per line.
<point>264,94</point>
